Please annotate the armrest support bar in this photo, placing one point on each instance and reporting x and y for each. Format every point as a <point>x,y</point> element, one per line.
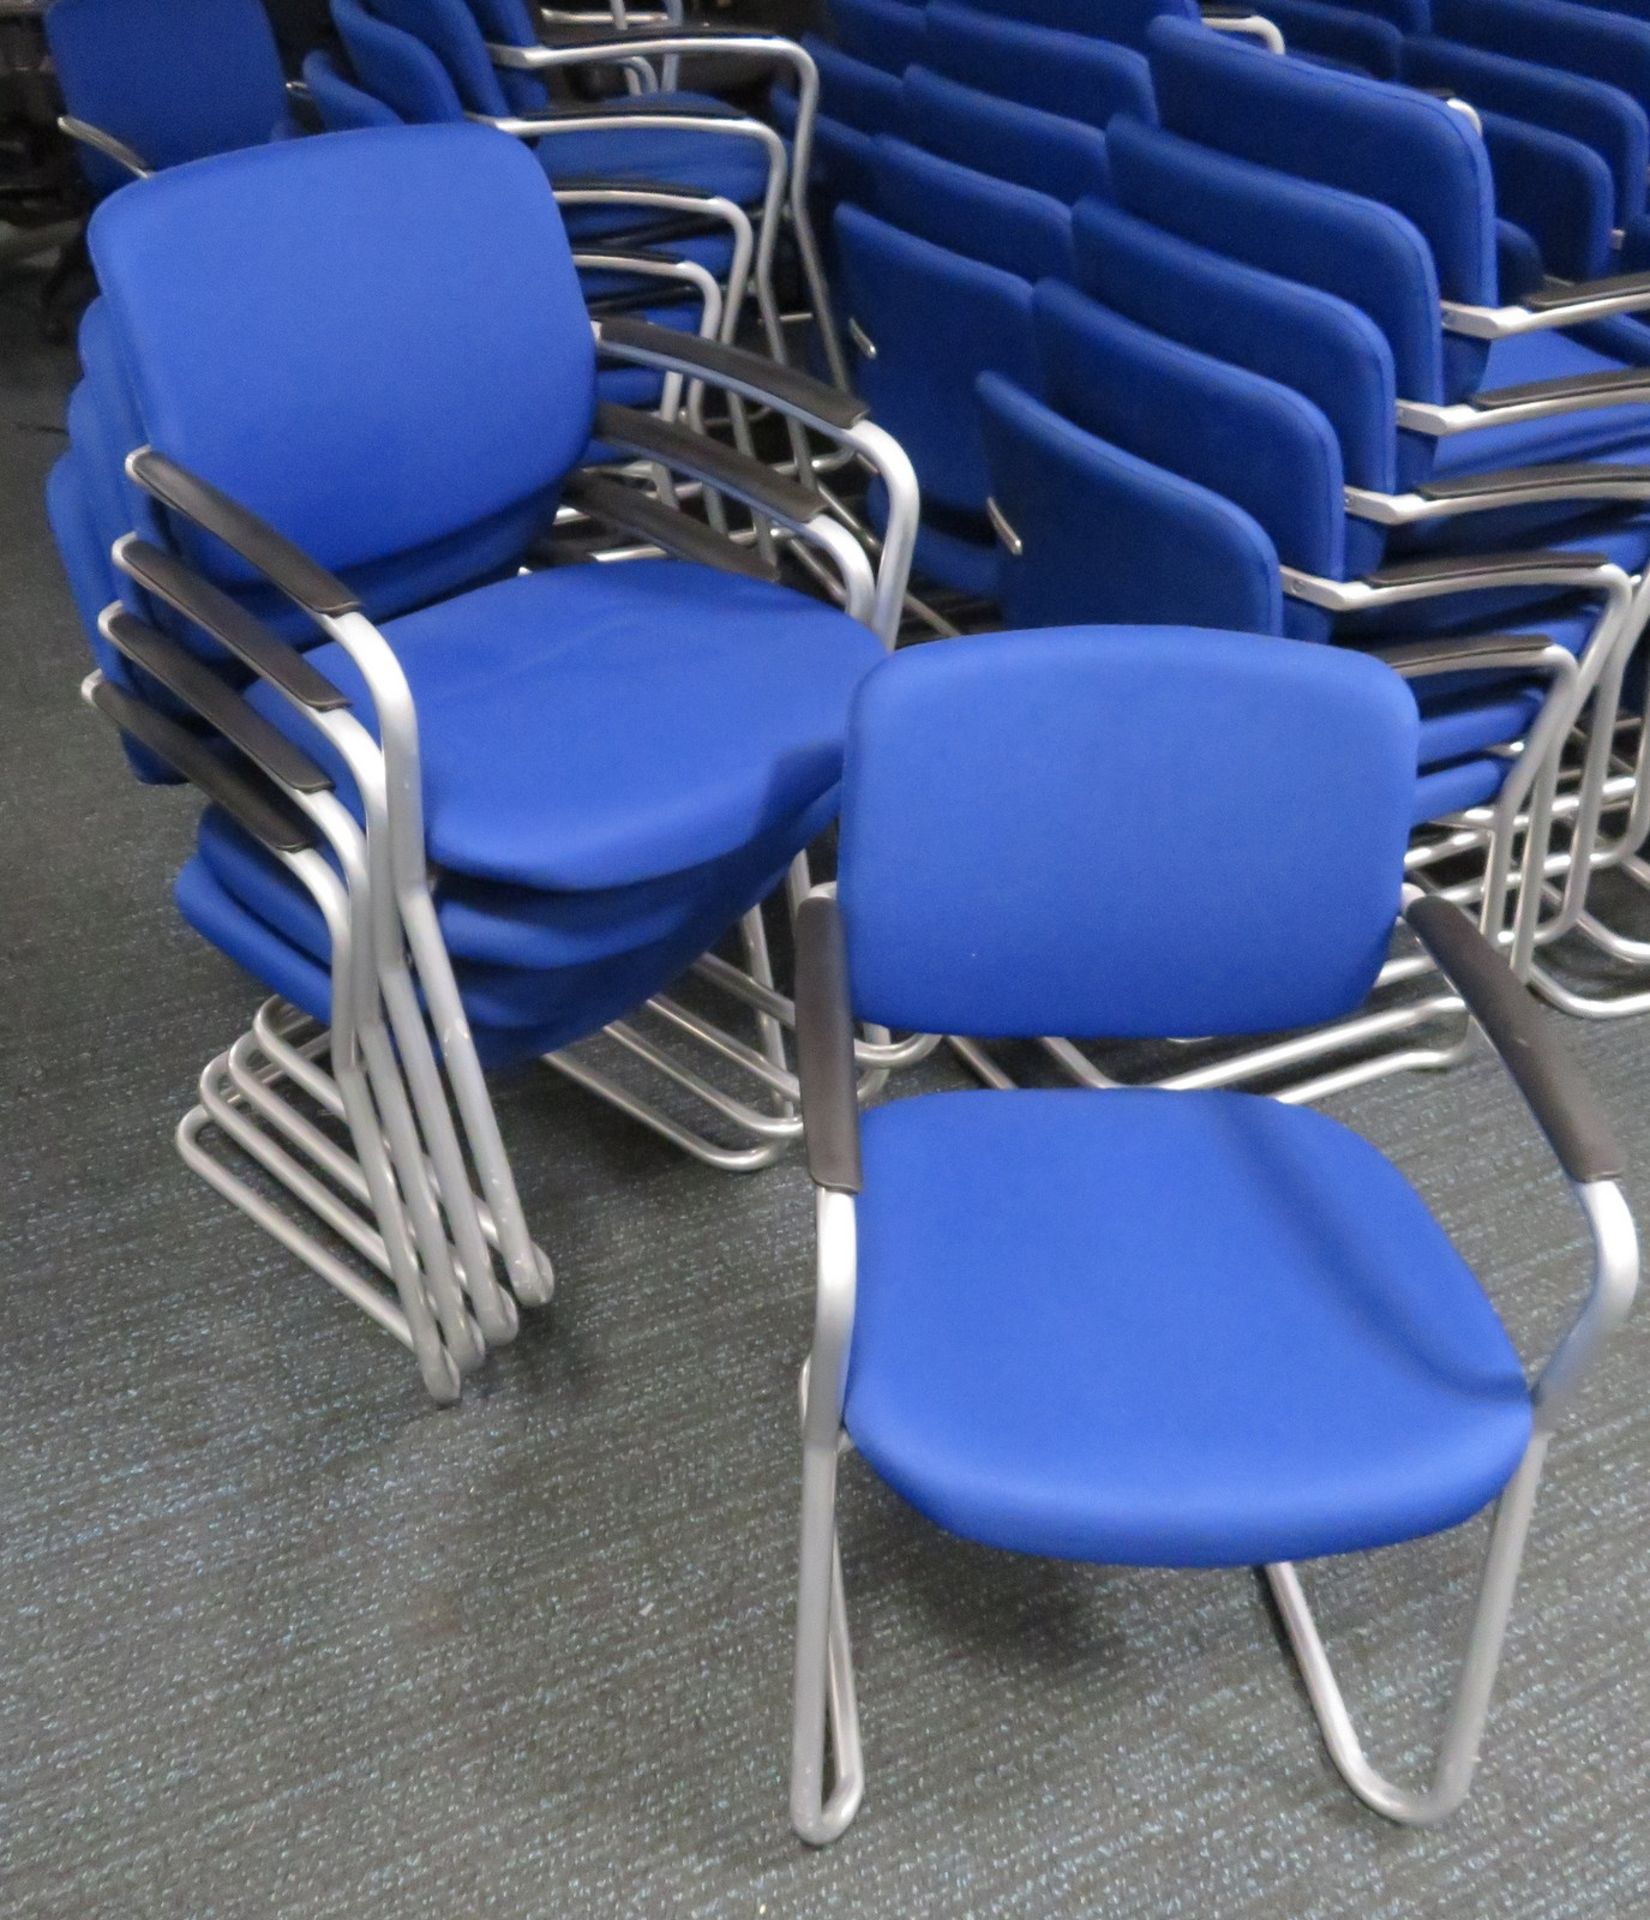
<point>106,144</point>
<point>583,46</point>
<point>1558,304</point>
<point>644,518</point>
<point>746,373</point>
<point>229,623</point>
<point>826,1069</point>
<point>246,796</point>
<point>1560,1098</point>
<point>724,468</point>
<point>272,554</point>
<point>1478,652</point>
<point>223,709</point>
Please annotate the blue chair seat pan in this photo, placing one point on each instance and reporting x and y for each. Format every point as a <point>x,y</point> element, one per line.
<point>538,1012</point>
<point>510,929</point>
<point>720,163</point>
<point>1153,1328</point>
<point>1619,433</point>
<point>596,726</point>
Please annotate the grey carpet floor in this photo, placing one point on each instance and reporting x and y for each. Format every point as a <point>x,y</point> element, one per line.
<point>276,1638</point>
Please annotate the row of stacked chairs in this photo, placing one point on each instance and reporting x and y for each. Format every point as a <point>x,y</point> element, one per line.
<point>522,705</point>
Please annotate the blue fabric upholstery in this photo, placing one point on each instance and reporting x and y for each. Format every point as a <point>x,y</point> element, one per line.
<point>1341,130</point>
<point>938,321</point>
<point>854,91</point>
<point>1124,21</point>
<point>1180,1329</point>
<point>883,33</point>
<point>436,372</point>
<point>985,219</point>
<point>343,106</point>
<point>1612,123</point>
<point>1559,191</point>
<point>1321,346</point>
<point>975,903</point>
<point>173,79</point>
<point>449,29</point>
<point>1347,245</point>
<point>1260,445</point>
<point>702,709</point>
<point>397,66</point>
<point>1554,33</point>
<point>1022,144</point>
<point>1081,79</point>
<point>508,23</point>
<point>1348,37</point>
<point>1108,535</point>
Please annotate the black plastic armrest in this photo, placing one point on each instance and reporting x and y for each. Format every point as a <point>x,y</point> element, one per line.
<point>257,543</point>
<point>1510,482</point>
<point>592,183</point>
<point>787,387</point>
<point>719,466</point>
<point>1575,386</point>
<point>1572,293</point>
<point>631,511</point>
<point>1448,653</point>
<point>244,794</point>
<point>1444,567</point>
<point>200,689</point>
<point>1558,1094</point>
<point>229,623</point>
<point>825,1048</point>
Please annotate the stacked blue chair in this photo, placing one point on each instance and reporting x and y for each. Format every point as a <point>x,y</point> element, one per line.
<point>465,809</point>
<point>498,68</point>
<point>151,83</point>
<point>1093,1326</point>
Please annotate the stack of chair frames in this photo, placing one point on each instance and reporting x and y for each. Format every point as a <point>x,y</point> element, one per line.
<point>1094,1326</point>
<point>494,68</point>
<point>465,810</point>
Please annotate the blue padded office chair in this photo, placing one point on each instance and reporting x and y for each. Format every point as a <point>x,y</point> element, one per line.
<point>462,813</point>
<point>1134,1327</point>
<point>1062,73</point>
<point>150,83</point>
<point>341,104</point>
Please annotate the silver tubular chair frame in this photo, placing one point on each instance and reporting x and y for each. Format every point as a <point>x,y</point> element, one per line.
<point>763,1132</point>
<point>823,1801</point>
<point>765,49</point>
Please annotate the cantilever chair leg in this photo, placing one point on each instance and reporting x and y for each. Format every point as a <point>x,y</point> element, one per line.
<point>1457,1756</point>
<point>825,1701</point>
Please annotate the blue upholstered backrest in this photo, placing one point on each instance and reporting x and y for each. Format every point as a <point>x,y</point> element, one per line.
<point>1044,151</point>
<point>1124,21</point>
<point>1611,122</point>
<point>1364,253</point>
<point>375,340</point>
<point>173,79</point>
<point>971,213</point>
<point>396,67</point>
<point>448,28</point>
<point>1087,80</point>
<point>854,92</point>
<point>882,33</point>
<point>1261,445</point>
<point>1321,346</point>
<point>1554,33</point>
<point>1104,535</point>
<point>937,321</point>
<point>1122,831</point>
<point>343,106</point>
<point>509,23</point>
<point>1405,149</point>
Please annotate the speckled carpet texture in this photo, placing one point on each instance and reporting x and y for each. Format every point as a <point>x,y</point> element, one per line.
<point>277,1638</point>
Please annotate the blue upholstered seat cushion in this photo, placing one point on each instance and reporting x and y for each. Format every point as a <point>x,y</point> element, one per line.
<point>1188,1329</point>
<point>596,726</point>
